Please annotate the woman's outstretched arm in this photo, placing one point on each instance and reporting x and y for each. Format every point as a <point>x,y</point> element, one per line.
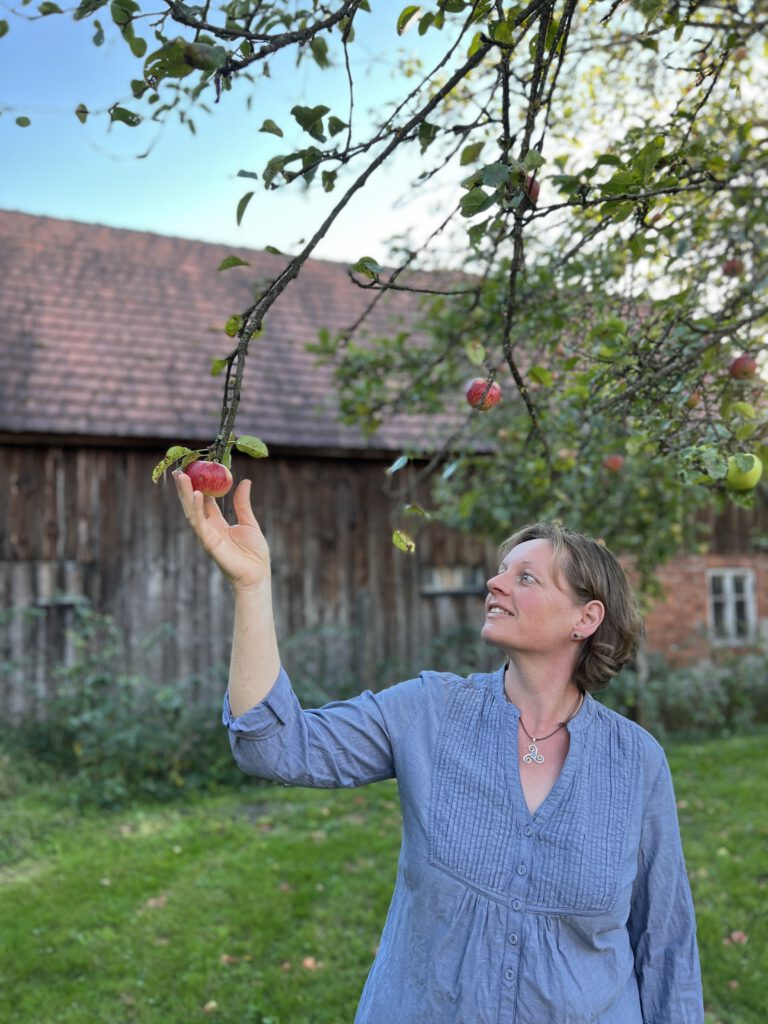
<point>242,554</point>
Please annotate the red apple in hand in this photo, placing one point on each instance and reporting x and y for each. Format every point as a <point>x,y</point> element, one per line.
<point>743,367</point>
<point>614,463</point>
<point>209,478</point>
<point>477,396</point>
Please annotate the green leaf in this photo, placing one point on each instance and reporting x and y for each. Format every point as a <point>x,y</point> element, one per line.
<point>244,200</point>
<point>475,351</point>
<point>3,28</point>
<point>397,465</point>
<point>87,8</point>
<point>123,116</point>
<point>416,510</point>
<point>137,44</point>
<point>248,174</point>
<point>274,250</point>
<point>203,57</point>
<point>252,446</point>
<point>336,125</point>
<point>98,35</point>
<point>368,266</point>
<point>233,261</point>
<point>311,119</point>
<point>81,113</point>
<point>217,365</point>
<point>233,325</point>
<point>23,122</point>
<point>329,180</point>
<point>542,376</point>
<point>470,153</point>
<point>319,48</point>
<point>427,135</point>
<point>497,174</point>
<point>405,16</point>
<point>475,202</point>
<point>49,8</point>
<point>167,62</point>
<point>273,129</point>
<point>533,160</point>
<point>402,541</point>
<point>172,455</point>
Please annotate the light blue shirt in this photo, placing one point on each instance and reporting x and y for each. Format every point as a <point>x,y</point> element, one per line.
<point>579,912</point>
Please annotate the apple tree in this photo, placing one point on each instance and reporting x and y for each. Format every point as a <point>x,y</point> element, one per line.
<point>600,253</point>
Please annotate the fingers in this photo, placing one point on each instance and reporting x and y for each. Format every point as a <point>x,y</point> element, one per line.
<point>241,500</point>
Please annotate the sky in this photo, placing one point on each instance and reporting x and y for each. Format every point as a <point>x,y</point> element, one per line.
<point>188,185</point>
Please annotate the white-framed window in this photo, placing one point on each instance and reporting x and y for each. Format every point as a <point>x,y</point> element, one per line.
<point>732,608</point>
<point>453,579</point>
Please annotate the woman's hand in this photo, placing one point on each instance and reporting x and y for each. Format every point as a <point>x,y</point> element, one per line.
<point>240,551</point>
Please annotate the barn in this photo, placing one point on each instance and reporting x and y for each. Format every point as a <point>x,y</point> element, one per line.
<point>106,343</point>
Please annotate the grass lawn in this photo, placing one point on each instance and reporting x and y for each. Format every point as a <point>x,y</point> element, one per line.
<point>264,905</point>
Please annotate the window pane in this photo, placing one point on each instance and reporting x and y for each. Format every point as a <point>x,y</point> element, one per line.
<point>716,585</point>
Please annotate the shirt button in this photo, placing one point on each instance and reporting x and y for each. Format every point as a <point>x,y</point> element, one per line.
<point>521,869</point>
<point>513,938</point>
<point>517,905</point>
<point>528,830</point>
<point>509,974</point>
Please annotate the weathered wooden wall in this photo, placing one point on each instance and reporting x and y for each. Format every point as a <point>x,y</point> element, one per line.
<point>88,523</point>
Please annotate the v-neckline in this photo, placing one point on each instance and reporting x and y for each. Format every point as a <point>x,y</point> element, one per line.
<point>544,811</point>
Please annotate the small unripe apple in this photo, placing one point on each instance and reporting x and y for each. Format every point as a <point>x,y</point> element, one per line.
<point>743,479</point>
<point>209,478</point>
<point>743,367</point>
<point>532,189</point>
<point>614,463</point>
<point>693,400</point>
<point>477,397</point>
<point>733,267</point>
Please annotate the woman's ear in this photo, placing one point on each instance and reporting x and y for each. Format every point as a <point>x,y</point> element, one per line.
<point>592,614</point>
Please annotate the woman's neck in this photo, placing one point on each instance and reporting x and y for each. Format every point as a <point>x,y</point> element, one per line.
<point>545,697</point>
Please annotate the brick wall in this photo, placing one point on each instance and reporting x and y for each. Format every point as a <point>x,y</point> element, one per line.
<point>677,624</point>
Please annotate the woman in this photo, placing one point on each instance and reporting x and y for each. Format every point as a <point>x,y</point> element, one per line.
<point>541,877</point>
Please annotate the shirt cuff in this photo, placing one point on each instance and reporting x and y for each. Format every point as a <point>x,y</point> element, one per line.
<point>274,710</point>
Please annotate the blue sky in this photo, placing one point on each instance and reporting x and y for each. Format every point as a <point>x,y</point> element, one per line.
<point>187,185</point>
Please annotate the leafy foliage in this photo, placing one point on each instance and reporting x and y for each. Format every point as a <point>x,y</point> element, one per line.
<point>606,225</point>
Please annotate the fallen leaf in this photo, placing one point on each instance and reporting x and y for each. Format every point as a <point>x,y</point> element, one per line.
<point>285,965</point>
<point>309,963</point>
<point>225,958</point>
<point>210,1006</point>
<point>156,902</point>
<point>733,984</point>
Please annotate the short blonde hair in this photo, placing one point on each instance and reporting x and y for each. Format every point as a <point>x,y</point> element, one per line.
<point>594,574</point>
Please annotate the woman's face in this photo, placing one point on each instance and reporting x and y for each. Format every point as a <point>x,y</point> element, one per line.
<point>527,610</point>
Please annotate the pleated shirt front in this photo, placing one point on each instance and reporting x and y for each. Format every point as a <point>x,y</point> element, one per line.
<point>580,912</point>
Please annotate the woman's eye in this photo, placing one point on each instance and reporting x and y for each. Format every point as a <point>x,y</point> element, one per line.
<point>526,577</point>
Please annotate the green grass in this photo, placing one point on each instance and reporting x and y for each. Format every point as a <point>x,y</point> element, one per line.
<point>154,913</point>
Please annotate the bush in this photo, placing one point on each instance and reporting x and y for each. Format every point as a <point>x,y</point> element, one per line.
<point>118,735</point>
<point>711,697</point>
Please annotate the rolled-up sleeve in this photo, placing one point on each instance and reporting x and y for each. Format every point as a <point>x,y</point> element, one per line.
<point>662,923</point>
<point>344,743</point>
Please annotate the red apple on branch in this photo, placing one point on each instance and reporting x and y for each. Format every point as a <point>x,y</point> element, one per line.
<point>743,367</point>
<point>209,478</point>
<point>532,189</point>
<point>733,267</point>
<point>614,463</point>
<point>482,395</point>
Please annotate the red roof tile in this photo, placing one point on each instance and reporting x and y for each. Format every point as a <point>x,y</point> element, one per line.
<point>111,333</point>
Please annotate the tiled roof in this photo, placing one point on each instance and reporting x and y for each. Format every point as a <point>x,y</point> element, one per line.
<point>110,333</point>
